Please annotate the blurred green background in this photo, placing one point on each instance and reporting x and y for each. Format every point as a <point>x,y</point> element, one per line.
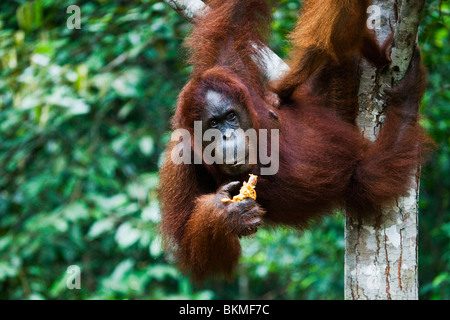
<point>84,118</point>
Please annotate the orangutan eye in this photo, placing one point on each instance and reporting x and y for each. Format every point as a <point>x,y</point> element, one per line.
<point>231,116</point>
<point>213,123</point>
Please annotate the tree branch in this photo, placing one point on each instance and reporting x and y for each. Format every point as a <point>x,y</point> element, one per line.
<point>186,8</point>
<point>381,253</point>
<point>405,36</point>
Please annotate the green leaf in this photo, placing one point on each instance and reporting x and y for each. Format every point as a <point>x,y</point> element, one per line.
<point>100,227</point>
<point>127,235</point>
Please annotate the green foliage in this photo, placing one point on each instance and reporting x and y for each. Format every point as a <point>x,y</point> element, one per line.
<point>84,118</point>
<point>434,221</point>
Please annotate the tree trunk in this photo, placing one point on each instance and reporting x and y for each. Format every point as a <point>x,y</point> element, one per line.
<point>381,253</point>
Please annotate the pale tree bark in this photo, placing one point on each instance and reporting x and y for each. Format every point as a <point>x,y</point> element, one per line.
<point>381,253</point>
<point>187,8</point>
<point>381,256</point>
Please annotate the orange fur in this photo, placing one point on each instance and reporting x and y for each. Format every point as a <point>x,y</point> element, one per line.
<point>222,51</point>
<point>324,162</point>
<point>207,229</point>
<point>328,31</point>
